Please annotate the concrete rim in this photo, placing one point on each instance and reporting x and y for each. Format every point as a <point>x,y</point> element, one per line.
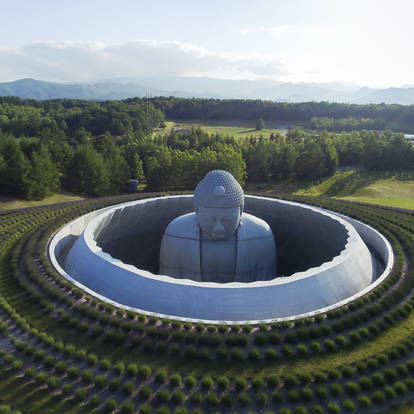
<point>91,243</point>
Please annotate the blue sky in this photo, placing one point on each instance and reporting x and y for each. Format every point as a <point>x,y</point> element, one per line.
<point>364,42</point>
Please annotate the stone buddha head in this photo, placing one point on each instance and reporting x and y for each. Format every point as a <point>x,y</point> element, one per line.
<point>218,203</point>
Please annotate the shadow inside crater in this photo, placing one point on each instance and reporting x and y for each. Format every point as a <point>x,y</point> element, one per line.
<point>304,238</point>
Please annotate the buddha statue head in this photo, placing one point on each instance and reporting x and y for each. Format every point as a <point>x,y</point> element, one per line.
<point>218,203</point>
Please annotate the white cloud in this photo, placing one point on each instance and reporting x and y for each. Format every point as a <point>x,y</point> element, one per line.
<point>368,51</point>
<point>90,61</point>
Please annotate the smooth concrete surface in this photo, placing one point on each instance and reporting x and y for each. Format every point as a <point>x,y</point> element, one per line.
<point>345,274</point>
<point>133,234</point>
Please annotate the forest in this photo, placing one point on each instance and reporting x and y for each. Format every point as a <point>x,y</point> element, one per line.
<point>245,109</point>
<point>93,148</point>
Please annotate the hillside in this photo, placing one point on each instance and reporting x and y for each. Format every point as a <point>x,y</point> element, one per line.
<point>34,89</point>
<point>203,87</point>
<point>394,189</point>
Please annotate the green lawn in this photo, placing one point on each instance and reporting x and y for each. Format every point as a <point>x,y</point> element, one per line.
<point>240,129</point>
<point>395,189</point>
<point>12,203</point>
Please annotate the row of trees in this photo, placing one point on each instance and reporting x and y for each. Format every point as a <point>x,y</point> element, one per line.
<point>31,178</point>
<point>34,169</point>
<point>174,169</point>
<point>308,158</point>
<point>248,109</point>
<point>81,146</point>
<point>303,154</point>
<point>78,159</point>
<point>181,158</point>
<point>63,118</point>
<point>346,124</point>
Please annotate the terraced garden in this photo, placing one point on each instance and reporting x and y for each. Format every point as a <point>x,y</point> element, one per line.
<point>63,351</point>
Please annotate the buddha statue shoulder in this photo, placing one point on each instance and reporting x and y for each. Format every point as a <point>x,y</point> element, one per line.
<point>218,242</point>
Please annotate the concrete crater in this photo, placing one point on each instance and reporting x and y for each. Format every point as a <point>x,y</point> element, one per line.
<point>323,261</point>
<point>304,238</point>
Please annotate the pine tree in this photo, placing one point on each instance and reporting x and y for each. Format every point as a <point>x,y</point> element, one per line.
<point>44,177</point>
<point>115,163</point>
<point>87,173</point>
<point>16,168</point>
<point>260,124</point>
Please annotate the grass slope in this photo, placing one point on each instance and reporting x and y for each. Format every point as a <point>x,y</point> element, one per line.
<point>394,189</point>
<point>13,203</point>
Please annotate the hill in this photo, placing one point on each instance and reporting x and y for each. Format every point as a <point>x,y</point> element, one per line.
<point>387,188</point>
<point>207,88</point>
<point>34,89</point>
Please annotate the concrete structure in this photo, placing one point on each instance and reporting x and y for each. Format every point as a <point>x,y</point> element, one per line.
<point>326,263</point>
<point>218,243</point>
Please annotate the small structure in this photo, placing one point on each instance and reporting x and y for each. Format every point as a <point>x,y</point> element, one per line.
<point>132,186</point>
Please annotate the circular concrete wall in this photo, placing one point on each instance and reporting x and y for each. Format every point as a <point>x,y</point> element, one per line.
<point>324,259</point>
<point>133,234</point>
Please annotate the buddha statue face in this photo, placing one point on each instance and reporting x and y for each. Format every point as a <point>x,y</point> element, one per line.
<point>218,223</point>
<point>218,203</point>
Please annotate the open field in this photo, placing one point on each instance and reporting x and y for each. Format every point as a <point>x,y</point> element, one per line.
<point>394,189</point>
<point>7,203</point>
<point>240,129</point>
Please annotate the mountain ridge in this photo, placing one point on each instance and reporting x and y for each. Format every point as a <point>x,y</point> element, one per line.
<point>188,87</point>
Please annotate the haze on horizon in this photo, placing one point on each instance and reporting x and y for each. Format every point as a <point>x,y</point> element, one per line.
<point>366,43</point>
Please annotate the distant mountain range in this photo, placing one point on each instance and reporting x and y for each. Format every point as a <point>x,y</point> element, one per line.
<point>207,88</point>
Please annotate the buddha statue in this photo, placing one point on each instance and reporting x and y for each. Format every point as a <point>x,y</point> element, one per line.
<point>218,242</point>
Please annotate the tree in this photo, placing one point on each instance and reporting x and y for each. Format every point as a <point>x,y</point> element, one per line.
<point>398,153</point>
<point>86,172</point>
<point>331,159</point>
<point>230,159</point>
<point>135,165</point>
<point>373,153</point>
<point>16,168</point>
<point>159,169</point>
<point>115,163</point>
<point>82,136</point>
<point>3,164</point>
<point>295,134</point>
<point>284,160</point>
<point>331,155</point>
<point>258,160</point>
<point>61,154</point>
<point>44,177</point>
<point>311,161</point>
<point>260,124</point>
